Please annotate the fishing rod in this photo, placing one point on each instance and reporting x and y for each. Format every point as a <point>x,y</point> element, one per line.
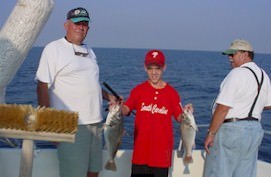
<point>111,90</point>
<point>114,93</point>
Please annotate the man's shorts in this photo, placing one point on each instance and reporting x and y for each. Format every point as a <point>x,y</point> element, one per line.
<point>85,154</point>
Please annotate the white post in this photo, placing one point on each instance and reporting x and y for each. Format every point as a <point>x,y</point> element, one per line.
<point>27,158</point>
<point>18,35</point>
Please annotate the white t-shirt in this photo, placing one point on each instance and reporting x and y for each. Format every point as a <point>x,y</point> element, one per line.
<point>239,89</point>
<point>73,80</point>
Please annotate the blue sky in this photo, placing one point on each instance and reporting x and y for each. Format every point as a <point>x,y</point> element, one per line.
<point>166,24</point>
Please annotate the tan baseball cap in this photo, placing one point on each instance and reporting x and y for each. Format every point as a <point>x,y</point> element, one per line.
<point>237,45</point>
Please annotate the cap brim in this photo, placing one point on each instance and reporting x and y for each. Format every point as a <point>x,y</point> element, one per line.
<point>80,19</point>
<point>154,63</point>
<point>229,52</point>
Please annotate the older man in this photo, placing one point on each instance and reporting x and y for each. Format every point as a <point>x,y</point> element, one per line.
<point>235,132</point>
<point>68,79</point>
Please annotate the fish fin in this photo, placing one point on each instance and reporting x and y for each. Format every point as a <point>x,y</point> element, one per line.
<point>111,165</point>
<point>116,150</point>
<point>180,153</point>
<point>117,147</point>
<point>195,127</point>
<point>180,149</point>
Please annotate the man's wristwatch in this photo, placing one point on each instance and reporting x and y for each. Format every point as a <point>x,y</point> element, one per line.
<point>210,133</point>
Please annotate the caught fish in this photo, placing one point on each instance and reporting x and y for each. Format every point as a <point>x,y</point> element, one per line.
<point>113,131</point>
<point>188,129</point>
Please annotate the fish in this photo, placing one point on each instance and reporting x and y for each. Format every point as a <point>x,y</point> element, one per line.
<point>188,129</point>
<point>113,131</point>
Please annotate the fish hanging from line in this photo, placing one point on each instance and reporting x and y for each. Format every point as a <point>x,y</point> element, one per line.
<point>113,131</point>
<point>188,129</point>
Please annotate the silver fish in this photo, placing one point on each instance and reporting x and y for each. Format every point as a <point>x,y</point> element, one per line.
<point>188,129</point>
<point>113,131</point>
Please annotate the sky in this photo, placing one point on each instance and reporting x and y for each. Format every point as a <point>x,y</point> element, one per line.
<point>208,25</point>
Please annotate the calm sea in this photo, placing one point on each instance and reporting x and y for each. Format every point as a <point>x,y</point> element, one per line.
<point>195,74</point>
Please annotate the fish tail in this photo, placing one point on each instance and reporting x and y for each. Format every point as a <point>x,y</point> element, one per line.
<point>111,165</point>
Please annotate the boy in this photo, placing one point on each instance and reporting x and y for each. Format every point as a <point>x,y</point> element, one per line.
<point>155,102</point>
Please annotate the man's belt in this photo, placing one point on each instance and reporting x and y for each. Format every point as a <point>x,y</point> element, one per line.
<point>238,119</point>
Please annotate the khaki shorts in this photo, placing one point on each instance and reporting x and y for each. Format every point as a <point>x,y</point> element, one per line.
<point>85,154</point>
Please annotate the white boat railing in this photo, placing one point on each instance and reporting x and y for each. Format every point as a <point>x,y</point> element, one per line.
<point>10,166</point>
<point>13,144</point>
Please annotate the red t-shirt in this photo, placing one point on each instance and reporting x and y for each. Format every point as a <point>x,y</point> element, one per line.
<point>153,133</point>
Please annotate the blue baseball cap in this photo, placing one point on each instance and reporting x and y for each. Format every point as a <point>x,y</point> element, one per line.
<point>78,14</point>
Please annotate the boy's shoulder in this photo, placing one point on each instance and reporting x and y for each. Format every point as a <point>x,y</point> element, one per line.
<point>142,85</point>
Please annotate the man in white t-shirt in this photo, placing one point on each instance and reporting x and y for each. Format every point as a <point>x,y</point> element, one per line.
<point>68,79</point>
<point>235,132</point>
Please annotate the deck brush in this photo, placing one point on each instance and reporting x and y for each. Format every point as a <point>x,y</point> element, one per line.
<point>27,118</point>
<point>58,121</point>
<point>14,116</point>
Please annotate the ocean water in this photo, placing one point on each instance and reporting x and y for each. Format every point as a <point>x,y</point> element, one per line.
<point>195,74</point>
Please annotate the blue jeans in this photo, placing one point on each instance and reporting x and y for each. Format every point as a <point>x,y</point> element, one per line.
<point>235,150</point>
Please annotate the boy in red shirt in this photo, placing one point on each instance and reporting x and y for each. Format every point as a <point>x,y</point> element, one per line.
<point>155,102</point>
